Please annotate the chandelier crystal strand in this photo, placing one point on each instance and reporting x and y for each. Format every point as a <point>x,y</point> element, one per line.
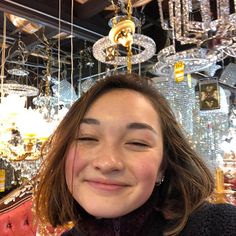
<point>186,16</point>
<point>59,55</point>
<point>206,13</point>
<point>171,13</point>
<point>48,74</point>
<point>223,16</point>
<point>177,20</point>
<point>114,22</point>
<point>3,55</point>
<point>139,48</point>
<point>71,55</point>
<point>129,48</point>
<point>164,25</point>
<point>182,22</point>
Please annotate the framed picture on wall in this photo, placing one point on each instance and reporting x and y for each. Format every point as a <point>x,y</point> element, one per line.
<point>209,94</point>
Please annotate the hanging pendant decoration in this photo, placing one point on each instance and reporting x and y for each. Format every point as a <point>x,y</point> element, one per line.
<point>209,94</point>
<point>179,71</point>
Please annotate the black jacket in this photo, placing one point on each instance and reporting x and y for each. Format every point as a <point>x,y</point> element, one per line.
<point>208,220</point>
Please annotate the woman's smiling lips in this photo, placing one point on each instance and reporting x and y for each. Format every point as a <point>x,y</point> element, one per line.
<point>106,185</point>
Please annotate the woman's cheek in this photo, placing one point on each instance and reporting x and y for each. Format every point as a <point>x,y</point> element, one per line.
<point>71,165</point>
<point>147,171</point>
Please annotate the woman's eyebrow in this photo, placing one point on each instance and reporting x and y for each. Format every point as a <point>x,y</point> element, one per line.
<point>139,125</point>
<point>134,125</point>
<point>90,121</point>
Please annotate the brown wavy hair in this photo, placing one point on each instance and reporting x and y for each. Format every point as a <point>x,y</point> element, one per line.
<point>187,184</point>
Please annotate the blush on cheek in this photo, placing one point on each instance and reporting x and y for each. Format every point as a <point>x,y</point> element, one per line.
<point>148,173</point>
<point>70,166</point>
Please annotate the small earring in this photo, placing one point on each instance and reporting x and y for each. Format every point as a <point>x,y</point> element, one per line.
<point>159,182</point>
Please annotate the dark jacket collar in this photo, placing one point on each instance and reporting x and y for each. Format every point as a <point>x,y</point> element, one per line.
<point>128,225</point>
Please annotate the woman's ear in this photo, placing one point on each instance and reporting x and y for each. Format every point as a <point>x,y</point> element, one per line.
<point>162,170</point>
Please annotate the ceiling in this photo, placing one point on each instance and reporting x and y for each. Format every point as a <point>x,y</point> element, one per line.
<point>90,23</point>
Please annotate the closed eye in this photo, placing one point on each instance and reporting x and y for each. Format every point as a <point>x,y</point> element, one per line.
<point>84,139</point>
<point>138,144</point>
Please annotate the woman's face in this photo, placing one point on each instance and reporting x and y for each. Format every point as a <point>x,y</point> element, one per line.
<point>113,164</point>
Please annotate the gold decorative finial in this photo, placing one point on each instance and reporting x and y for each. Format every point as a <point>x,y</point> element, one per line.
<point>122,33</point>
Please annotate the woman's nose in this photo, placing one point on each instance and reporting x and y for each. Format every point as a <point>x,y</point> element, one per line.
<point>108,160</point>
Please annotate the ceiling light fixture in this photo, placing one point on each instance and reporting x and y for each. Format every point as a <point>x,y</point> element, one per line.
<point>194,22</point>
<point>194,60</point>
<point>143,41</point>
<point>24,24</point>
<point>20,56</point>
<point>123,33</point>
<point>18,72</point>
<point>19,89</point>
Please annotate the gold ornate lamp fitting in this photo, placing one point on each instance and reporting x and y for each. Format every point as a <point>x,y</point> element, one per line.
<point>122,33</point>
<point>123,30</point>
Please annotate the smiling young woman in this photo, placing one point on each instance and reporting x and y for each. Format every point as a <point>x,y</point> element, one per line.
<point>118,164</point>
<point>113,164</point>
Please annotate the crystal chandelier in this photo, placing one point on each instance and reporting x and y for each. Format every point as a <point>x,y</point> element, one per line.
<point>99,50</point>
<point>18,64</point>
<point>123,33</point>
<point>208,24</point>
<point>195,59</point>
<point>18,72</point>
<point>196,23</point>
<point>13,87</point>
